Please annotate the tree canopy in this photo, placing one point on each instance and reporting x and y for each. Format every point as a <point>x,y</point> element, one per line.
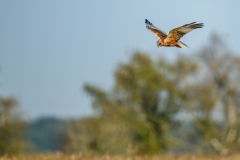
<point>11,127</point>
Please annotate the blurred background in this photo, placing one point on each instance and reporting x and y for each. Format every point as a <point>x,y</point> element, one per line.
<point>87,77</point>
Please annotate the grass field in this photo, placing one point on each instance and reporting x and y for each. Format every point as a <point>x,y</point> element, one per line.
<point>59,156</point>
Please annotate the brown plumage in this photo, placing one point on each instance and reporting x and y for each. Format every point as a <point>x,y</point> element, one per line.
<point>173,37</point>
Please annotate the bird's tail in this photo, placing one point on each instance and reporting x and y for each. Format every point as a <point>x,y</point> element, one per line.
<point>182,44</point>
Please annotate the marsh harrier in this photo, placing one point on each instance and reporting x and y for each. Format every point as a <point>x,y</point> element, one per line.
<point>173,37</point>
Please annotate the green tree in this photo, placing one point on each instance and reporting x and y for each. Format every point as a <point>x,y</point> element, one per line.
<point>213,100</point>
<point>11,127</point>
<point>137,114</point>
<point>221,95</point>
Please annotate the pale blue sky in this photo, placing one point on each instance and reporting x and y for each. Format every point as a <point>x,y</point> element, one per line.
<point>49,49</point>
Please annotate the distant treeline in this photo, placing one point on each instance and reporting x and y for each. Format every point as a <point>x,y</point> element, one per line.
<point>44,134</point>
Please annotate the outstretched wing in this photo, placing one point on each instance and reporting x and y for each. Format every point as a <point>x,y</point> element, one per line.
<point>160,34</point>
<point>176,33</point>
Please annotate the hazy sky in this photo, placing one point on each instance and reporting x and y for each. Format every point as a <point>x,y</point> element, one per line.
<point>49,49</point>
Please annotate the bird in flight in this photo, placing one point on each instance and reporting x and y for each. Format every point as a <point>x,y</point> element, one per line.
<point>173,37</point>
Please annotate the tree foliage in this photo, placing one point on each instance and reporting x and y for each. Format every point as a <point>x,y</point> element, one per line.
<point>11,127</point>
<point>136,116</point>
<point>220,93</point>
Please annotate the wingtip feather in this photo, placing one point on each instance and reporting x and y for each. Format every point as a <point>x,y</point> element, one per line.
<point>147,22</point>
